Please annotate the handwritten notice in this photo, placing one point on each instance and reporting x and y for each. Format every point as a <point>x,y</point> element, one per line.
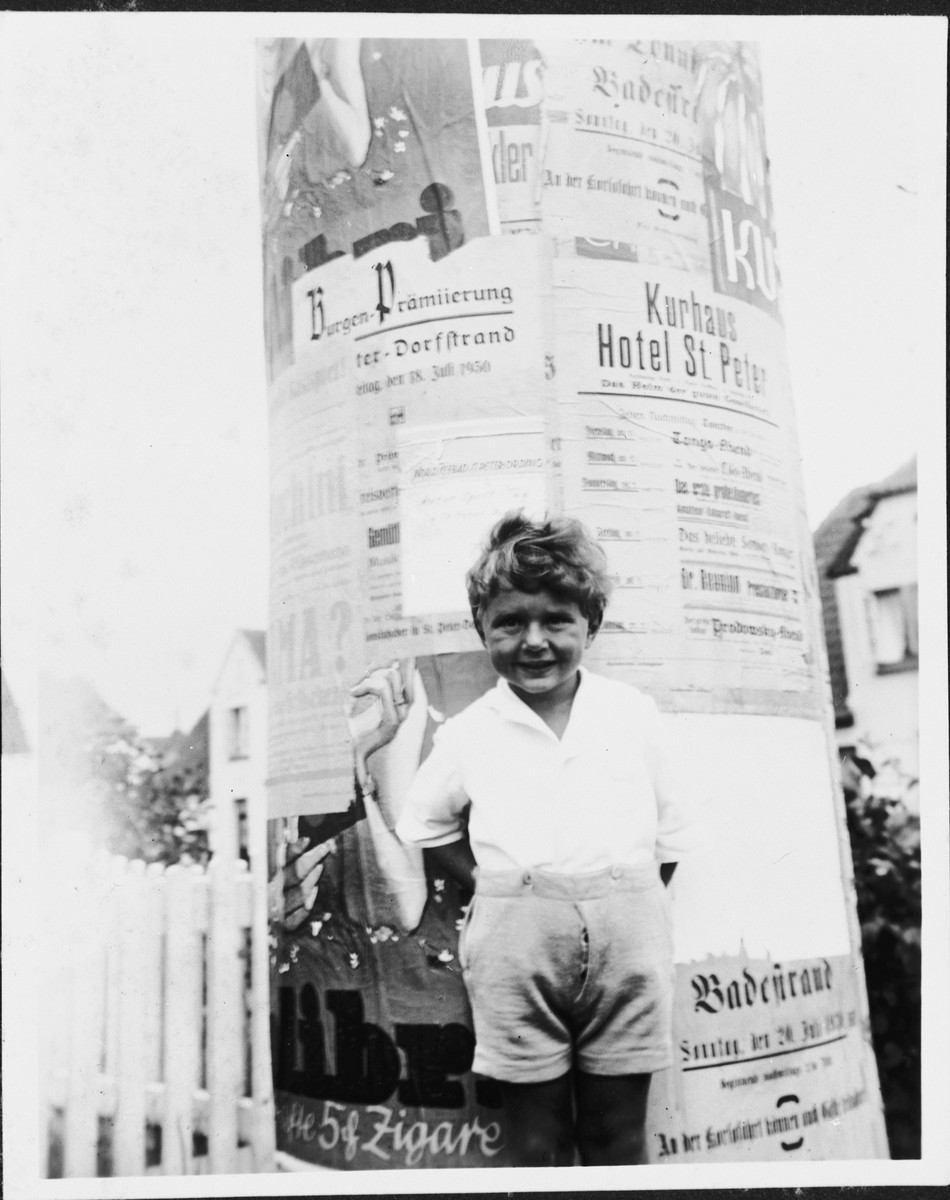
<point>456,481</point>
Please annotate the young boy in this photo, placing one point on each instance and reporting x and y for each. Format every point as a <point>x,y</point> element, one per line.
<point>550,796</point>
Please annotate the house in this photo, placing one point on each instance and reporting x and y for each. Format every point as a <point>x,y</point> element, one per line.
<point>237,733</point>
<point>866,552</point>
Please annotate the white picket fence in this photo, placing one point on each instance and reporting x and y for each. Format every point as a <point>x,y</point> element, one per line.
<point>156,1023</point>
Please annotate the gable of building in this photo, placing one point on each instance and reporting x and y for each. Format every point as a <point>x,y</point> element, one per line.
<point>247,650</point>
<point>903,480</point>
<point>12,734</point>
<point>835,541</point>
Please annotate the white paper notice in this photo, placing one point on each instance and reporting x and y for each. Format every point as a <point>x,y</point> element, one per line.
<point>677,449</point>
<point>457,480</point>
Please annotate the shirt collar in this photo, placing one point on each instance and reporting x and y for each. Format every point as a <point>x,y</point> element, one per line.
<point>505,702</point>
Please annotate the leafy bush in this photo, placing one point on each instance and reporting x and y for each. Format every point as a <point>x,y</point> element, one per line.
<point>885,846</point>
<point>154,809</point>
<point>138,797</point>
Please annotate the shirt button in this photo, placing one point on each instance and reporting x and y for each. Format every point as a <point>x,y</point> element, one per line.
<point>526,878</point>
<point>615,872</point>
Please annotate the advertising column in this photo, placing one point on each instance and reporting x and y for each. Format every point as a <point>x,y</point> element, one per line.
<point>622,359</point>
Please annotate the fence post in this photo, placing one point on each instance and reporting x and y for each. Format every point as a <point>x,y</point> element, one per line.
<point>133,1048</point>
<point>154,1027</point>
<point>225,1018</point>
<point>183,967</point>
<point>85,973</point>
<point>262,1081</point>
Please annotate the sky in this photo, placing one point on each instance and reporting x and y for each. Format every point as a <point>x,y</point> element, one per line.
<point>134,433</point>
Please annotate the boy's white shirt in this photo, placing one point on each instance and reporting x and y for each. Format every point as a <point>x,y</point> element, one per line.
<point>603,794</point>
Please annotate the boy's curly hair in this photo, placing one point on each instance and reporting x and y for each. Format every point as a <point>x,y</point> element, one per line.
<point>558,554</point>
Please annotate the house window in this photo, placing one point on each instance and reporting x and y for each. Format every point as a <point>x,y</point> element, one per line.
<point>239,742</point>
<point>892,615</point>
<point>240,814</point>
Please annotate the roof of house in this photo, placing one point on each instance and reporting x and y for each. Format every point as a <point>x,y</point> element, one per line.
<point>12,737</point>
<point>257,640</point>
<point>904,479</point>
<point>836,540</point>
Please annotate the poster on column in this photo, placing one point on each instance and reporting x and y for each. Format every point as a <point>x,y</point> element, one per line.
<point>448,413</point>
<point>623,157</point>
<point>313,573</point>
<point>654,153</point>
<point>769,1064</point>
<point>675,413</point>
<point>770,1026</point>
<point>513,89</point>
<point>364,142</point>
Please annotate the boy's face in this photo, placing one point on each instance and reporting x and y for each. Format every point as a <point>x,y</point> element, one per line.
<point>536,641</point>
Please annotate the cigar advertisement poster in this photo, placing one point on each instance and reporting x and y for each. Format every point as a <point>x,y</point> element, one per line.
<point>620,358</point>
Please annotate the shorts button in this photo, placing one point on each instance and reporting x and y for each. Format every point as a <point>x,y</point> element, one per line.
<point>615,872</point>
<point>526,878</point>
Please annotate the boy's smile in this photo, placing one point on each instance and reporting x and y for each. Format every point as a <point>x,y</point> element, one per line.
<point>536,641</point>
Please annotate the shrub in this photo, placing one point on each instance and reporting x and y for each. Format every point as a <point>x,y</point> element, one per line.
<point>885,846</point>
<point>152,809</point>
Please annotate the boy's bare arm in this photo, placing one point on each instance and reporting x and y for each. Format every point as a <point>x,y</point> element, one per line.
<point>457,861</point>
<point>666,872</point>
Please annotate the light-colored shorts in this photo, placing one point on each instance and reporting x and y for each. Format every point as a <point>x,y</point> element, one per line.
<point>569,970</point>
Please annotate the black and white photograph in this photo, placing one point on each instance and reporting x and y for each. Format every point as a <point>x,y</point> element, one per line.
<point>404,788</point>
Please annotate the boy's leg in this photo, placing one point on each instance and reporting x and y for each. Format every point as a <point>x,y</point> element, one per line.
<point>539,1122</point>
<point>611,1115</point>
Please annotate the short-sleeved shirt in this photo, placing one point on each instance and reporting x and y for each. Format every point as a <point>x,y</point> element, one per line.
<point>602,794</point>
